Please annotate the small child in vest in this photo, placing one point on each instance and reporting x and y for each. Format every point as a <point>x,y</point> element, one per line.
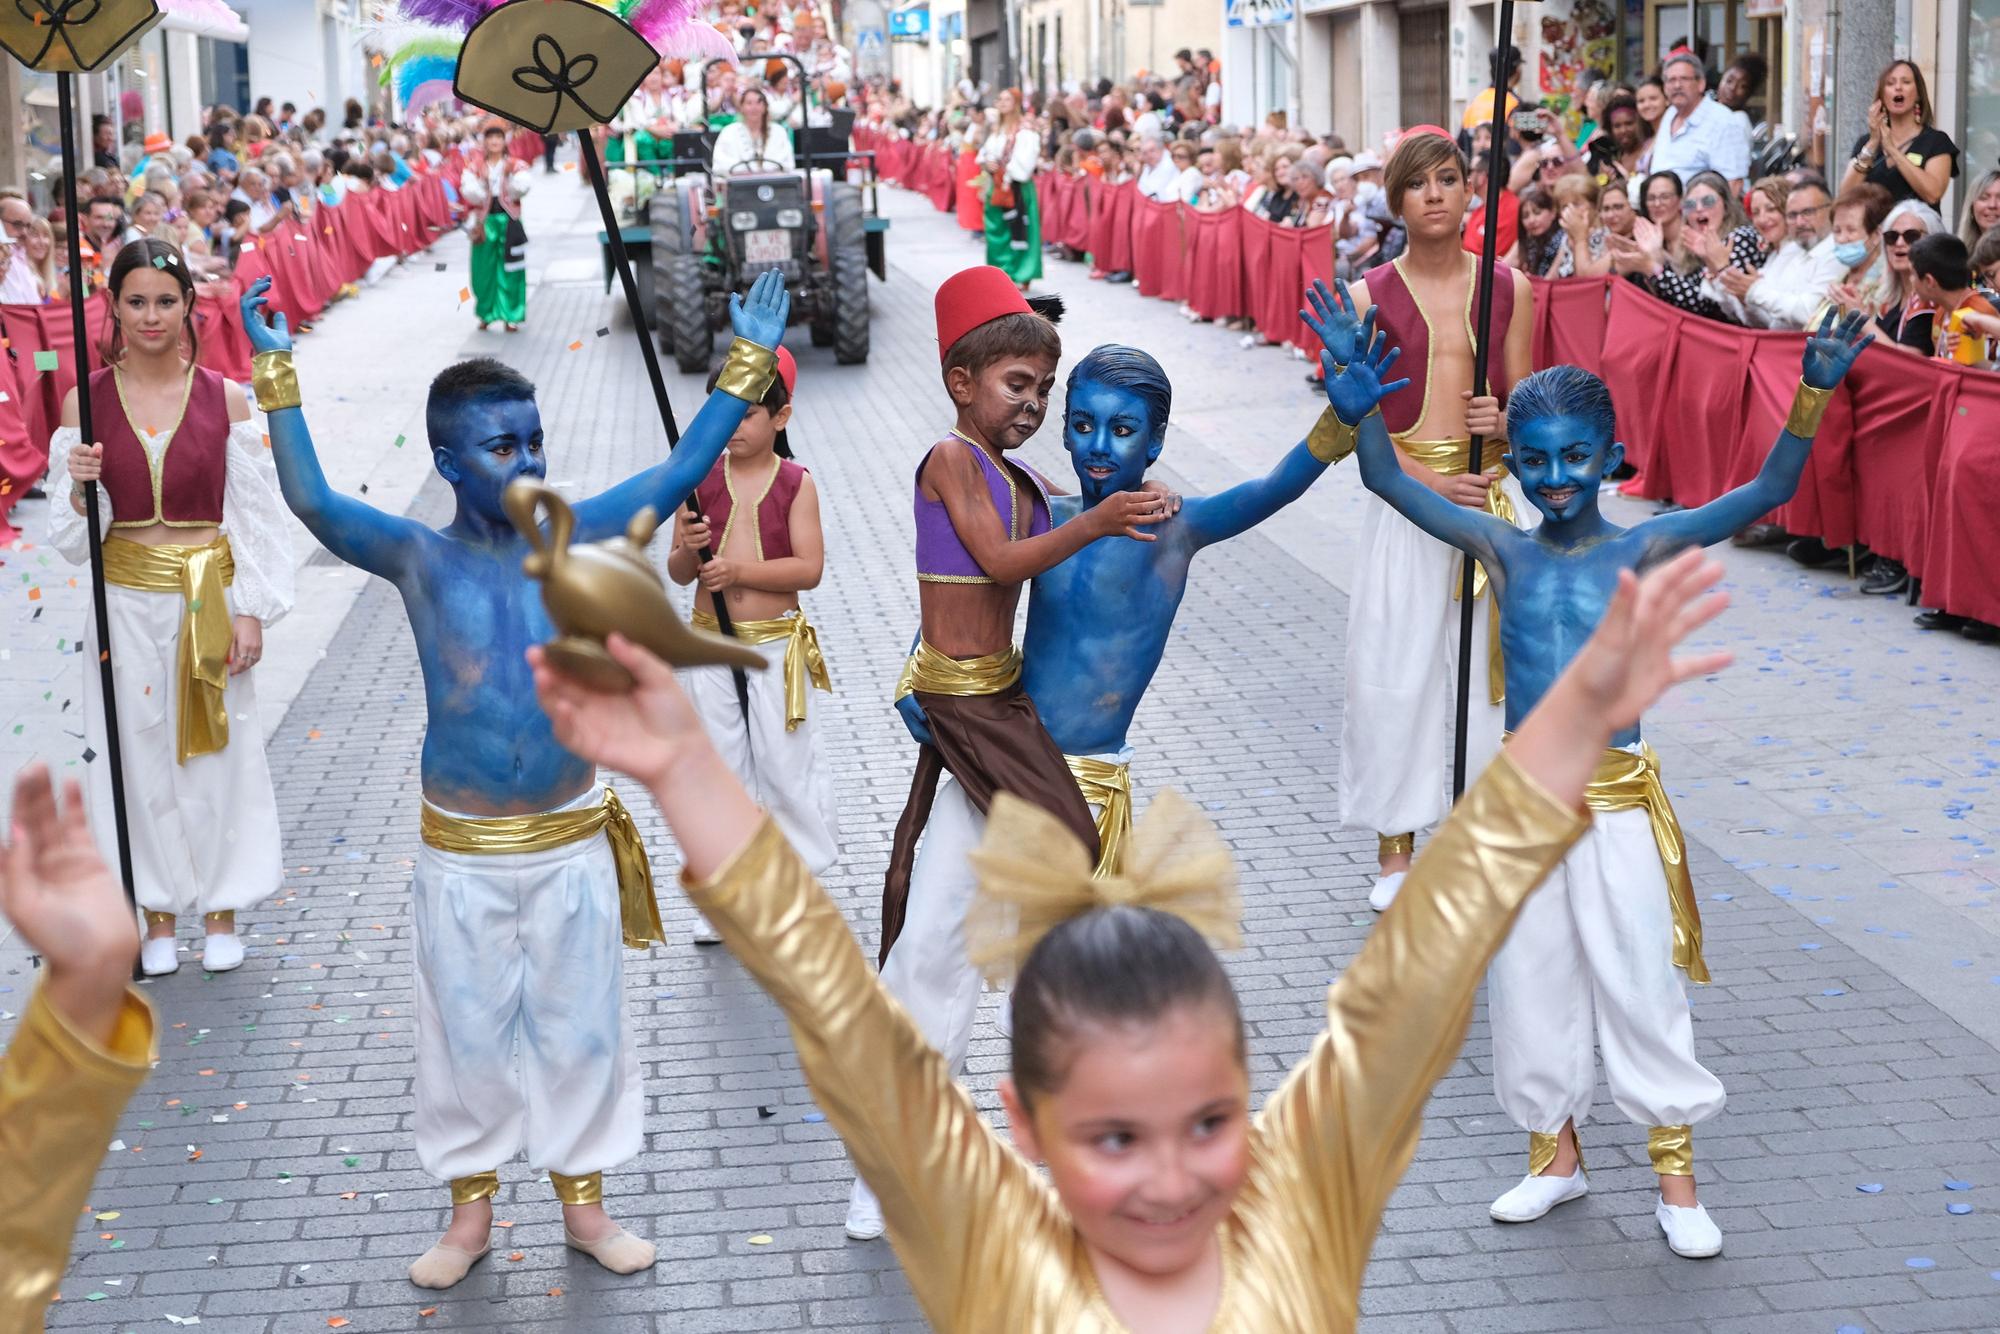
<point>760,524</point>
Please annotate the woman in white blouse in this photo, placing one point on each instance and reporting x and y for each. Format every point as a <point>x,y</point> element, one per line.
<point>197,561</point>
<point>492,189</point>
<point>1013,214</point>
<point>753,138</point>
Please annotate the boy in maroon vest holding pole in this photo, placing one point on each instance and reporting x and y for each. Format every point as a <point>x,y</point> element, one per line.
<point>761,521</point>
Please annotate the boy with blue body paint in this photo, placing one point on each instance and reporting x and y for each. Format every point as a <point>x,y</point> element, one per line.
<point>527,872</point>
<point>1598,944</point>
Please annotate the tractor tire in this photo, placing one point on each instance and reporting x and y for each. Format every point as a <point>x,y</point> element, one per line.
<point>679,286</point>
<point>847,256</point>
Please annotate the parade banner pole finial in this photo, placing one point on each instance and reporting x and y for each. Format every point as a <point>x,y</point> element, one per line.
<point>65,38</point>
<point>561,65</point>
<point>1482,348</point>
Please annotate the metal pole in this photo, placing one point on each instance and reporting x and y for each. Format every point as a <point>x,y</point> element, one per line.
<point>620,260</point>
<point>80,336</point>
<point>1482,348</point>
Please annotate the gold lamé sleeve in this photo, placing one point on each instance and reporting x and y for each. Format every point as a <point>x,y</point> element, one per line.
<point>60,1098</point>
<point>1342,1128</point>
<point>954,1197</point>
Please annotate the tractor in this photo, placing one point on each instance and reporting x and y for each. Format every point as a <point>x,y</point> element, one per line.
<point>713,235</point>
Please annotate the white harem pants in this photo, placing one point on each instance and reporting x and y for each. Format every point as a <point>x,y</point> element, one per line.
<point>784,771</point>
<point>1592,955</point>
<point>1402,675</point>
<point>204,834</point>
<point>523,1042</point>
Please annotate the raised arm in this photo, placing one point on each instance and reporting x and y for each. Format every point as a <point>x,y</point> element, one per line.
<point>1348,1117</point>
<point>914,1133</point>
<point>759,319</point>
<point>1356,358</point>
<point>1829,355</point>
<point>358,533</point>
<point>960,483</point>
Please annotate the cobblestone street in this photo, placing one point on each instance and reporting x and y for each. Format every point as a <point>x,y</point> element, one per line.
<point>1840,787</point>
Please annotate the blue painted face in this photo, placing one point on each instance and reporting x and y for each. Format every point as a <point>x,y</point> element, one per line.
<point>1560,461</point>
<point>1110,435</point>
<point>489,443</point>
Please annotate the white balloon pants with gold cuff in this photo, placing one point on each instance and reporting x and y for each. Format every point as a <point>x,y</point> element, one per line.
<point>523,1040</point>
<point>1402,675</point>
<point>1591,958</point>
<point>927,969</point>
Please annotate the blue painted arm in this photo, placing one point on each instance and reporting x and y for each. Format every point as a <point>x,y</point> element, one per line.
<point>1219,517</point>
<point>760,317</point>
<point>1829,355</point>
<point>358,533</point>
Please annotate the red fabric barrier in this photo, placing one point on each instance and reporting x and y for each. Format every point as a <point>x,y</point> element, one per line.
<point>1901,421</point>
<point>1825,504</point>
<point>942,186</point>
<point>1084,193</point>
<point>970,207</point>
<point>526,145</point>
<point>1111,229</point>
<point>1156,249</point>
<point>1316,264</point>
<point>24,455</point>
<point>1641,334</point>
<point>1569,322</point>
<point>1212,264</point>
<point>1278,291</point>
<point>1707,384</point>
<point>21,326</point>
<point>225,345</point>
<point>1964,525</point>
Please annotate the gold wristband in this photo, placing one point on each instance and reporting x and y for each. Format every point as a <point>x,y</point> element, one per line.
<point>1808,406</point>
<point>1332,439</point>
<point>747,371</point>
<point>273,380</point>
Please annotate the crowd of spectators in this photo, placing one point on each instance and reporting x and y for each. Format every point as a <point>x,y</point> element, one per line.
<point>242,176</point>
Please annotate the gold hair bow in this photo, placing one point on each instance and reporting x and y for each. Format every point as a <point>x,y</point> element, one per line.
<point>1034,875</point>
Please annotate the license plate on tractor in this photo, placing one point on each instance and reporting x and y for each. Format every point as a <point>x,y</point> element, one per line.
<point>769,247</point>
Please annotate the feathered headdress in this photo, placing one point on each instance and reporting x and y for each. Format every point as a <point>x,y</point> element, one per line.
<point>673,27</point>
<point>1034,875</point>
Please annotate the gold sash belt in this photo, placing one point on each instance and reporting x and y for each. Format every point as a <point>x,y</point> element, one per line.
<point>1450,458</point>
<point>199,575</point>
<point>936,673</point>
<point>504,835</point>
<point>803,660</point>
<point>1107,786</point>
<point>1626,782</point>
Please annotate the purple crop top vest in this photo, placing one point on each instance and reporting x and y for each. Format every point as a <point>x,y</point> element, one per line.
<point>941,556</point>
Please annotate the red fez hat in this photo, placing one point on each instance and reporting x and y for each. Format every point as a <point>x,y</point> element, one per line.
<point>788,370</point>
<point>974,297</point>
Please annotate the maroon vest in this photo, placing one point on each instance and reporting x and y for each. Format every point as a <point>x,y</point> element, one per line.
<point>1396,311</point>
<point>774,508</point>
<point>193,466</point>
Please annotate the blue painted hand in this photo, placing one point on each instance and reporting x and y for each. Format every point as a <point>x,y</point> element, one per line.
<point>1355,390</point>
<point>1832,351</point>
<point>265,335</point>
<point>1333,319</point>
<point>762,315</point>
<point>913,718</point>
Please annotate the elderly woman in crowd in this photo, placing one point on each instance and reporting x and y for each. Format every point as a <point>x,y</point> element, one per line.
<point>1584,249</point>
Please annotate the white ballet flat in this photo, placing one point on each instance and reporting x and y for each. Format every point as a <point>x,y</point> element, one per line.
<point>220,953</point>
<point>864,1213</point>
<point>1691,1233</point>
<point>1384,893</point>
<point>704,933</point>
<point>1536,1195</point>
<point>159,956</point>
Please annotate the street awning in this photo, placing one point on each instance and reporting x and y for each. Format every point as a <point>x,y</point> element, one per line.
<point>204,18</point>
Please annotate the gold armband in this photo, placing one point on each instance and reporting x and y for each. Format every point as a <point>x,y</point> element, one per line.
<point>1332,439</point>
<point>275,383</point>
<point>1808,406</point>
<point>747,371</point>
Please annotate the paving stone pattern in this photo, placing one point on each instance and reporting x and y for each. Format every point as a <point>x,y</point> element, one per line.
<point>292,1077</point>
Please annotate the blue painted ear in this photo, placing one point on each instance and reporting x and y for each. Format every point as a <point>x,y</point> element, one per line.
<point>1613,457</point>
<point>446,465</point>
<point>1154,446</point>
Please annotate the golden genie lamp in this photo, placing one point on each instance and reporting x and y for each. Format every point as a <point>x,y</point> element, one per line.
<point>592,589</point>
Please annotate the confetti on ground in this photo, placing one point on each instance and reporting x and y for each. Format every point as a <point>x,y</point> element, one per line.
<point>518,1256</point>
<point>1957,1208</point>
<point>555,1292</point>
<point>1920,1262</point>
<point>576,346</point>
<point>428,1311</point>
<point>464,295</point>
<point>761,1239</point>
<point>336,1322</point>
<point>1958,1185</point>
<point>1870,1188</point>
<point>107,1217</point>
